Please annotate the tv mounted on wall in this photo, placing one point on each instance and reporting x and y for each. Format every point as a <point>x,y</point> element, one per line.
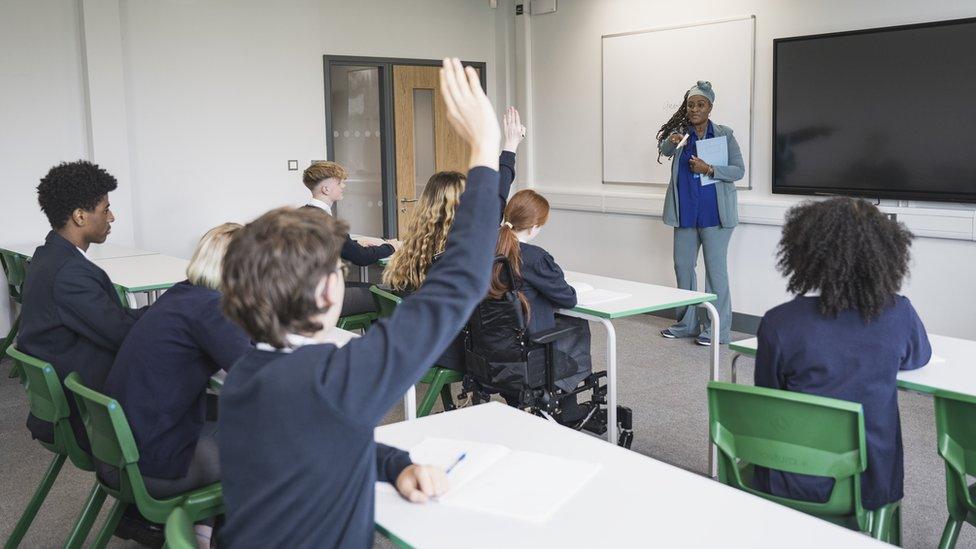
<point>879,113</point>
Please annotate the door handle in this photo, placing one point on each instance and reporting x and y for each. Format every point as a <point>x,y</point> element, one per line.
<point>405,200</point>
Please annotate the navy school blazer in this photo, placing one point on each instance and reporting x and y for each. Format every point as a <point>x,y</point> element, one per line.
<point>73,319</point>
<point>297,453</point>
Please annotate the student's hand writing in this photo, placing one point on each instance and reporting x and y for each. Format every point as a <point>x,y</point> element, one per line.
<point>470,112</point>
<point>514,130</point>
<point>419,483</point>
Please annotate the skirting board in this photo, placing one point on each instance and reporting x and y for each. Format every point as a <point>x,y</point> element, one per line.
<point>950,221</point>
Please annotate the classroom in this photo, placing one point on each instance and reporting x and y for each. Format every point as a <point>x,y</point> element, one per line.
<point>429,273</point>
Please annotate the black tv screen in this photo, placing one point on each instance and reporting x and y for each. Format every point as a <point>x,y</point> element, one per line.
<point>885,113</point>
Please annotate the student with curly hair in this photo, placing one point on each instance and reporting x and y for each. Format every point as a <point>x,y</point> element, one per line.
<point>72,316</point>
<point>845,335</point>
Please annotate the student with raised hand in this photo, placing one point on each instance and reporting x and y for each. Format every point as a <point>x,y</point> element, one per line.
<point>327,183</point>
<point>542,288</point>
<point>297,413</point>
<point>844,335</point>
<point>71,315</point>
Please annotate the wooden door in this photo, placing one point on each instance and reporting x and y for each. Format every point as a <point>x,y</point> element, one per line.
<point>416,89</point>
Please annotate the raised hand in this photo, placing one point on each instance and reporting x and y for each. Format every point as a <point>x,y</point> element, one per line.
<point>470,112</point>
<point>514,130</point>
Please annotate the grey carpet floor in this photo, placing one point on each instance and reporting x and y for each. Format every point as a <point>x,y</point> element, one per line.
<point>662,380</point>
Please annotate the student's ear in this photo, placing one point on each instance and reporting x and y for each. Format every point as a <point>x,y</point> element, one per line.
<point>79,217</point>
<point>329,291</point>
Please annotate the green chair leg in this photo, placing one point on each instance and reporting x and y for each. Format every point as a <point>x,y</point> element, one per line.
<point>430,397</point>
<point>950,534</point>
<point>887,524</point>
<point>86,519</point>
<point>8,341</point>
<point>111,523</point>
<point>35,503</point>
<point>447,399</point>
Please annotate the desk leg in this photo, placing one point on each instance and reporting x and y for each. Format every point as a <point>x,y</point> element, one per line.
<point>410,404</point>
<point>715,347</point>
<point>735,358</point>
<point>131,298</point>
<point>364,274</point>
<point>611,370</point>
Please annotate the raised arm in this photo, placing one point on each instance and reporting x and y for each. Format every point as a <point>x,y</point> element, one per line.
<point>371,373</point>
<point>514,133</point>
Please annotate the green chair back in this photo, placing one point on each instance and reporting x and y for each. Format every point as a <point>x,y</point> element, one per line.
<point>47,401</point>
<point>15,267</point>
<point>955,422</point>
<point>120,293</point>
<point>112,443</point>
<point>386,301</point>
<point>795,433</point>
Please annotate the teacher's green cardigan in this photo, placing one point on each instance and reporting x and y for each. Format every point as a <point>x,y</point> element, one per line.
<point>725,192</point>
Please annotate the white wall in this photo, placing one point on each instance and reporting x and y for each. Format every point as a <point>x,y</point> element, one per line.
<point>42,111</point>
<point>565,127</point>
<point>221,94</point>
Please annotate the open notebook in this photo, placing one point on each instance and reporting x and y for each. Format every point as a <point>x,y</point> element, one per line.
<point>588,295</point>
<point>495,479</point>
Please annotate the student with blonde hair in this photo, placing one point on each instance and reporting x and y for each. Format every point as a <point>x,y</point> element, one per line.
<point>161,373</point>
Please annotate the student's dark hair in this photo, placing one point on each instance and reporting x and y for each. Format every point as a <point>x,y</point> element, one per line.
<point>674,124</point>
<point>525,210</point>
<point>848,250</point>
<point>272,267</point>
<point>72,185</point>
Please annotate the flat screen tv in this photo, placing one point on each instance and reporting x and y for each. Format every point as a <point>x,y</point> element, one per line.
<point>880,113</point>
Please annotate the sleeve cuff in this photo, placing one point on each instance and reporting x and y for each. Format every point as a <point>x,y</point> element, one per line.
<point>507,158</point>
<point>399,461</point>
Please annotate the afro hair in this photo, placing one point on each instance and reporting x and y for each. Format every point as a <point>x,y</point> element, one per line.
<point>72,185</point>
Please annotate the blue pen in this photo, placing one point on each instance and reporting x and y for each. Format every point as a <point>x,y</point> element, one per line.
<point>458,460</point>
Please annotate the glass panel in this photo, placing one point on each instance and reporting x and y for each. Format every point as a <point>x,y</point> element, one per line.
<point>356,137</point>
<point>423,138</point>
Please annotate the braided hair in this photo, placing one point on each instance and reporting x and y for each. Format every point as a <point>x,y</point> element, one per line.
<point>847,249</point>
<point>677,122</point>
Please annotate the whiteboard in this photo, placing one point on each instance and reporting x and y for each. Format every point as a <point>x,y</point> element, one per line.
<point>645,76</point>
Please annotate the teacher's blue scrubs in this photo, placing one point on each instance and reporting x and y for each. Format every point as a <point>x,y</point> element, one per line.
<point>697,204</point>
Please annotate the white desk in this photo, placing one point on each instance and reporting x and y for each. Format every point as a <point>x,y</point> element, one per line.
<point>641,298</point>
<point>956,375</point>
<point>144,273</point>
<point>95,251</point>
<point>634,501</point>
<point>364,270</point>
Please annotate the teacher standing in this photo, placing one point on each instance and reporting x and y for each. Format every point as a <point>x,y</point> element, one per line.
<point>703,216</point>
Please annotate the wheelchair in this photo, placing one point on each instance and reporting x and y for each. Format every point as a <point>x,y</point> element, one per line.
<point>502,358</point>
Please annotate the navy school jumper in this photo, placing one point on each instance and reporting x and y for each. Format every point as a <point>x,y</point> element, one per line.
<point>297,453</point>
<point>847,358</point>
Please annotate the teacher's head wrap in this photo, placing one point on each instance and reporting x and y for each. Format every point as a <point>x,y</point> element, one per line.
<point>704,89</point>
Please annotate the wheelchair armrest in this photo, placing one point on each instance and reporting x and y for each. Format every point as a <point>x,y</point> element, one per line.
<point>548,336</point>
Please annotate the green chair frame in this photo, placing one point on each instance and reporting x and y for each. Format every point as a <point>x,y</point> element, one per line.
<point>47,402</point>
<point>15,268</point>
<point>798,433</point>
<point>113,444</point>
<point>438,379</point>
<point>361,321</point>
<point>179,524</point>
<point>955,422</point>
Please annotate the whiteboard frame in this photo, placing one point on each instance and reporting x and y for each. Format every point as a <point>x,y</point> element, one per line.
<point>752,95</point>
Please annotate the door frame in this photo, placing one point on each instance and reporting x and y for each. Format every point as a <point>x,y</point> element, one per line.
<point>387,133</point>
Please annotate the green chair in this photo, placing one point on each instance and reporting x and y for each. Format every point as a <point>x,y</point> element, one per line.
<point>357,322</point>
<point>798,433</point>
<point>15,267</point>
<point>47,402</point>
<point>123,297</point>
<point>113,444</point>
<point>438,379</point>
<point>179,524</point>
<point>955,422</point>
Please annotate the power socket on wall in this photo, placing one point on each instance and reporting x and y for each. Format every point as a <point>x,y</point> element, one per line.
<point>292,165</point>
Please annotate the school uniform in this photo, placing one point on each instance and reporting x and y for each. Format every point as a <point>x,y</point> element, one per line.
<point>161,375</point>
<point>846,358</point>
<point>544,286</point>
<point>297,453</point>
<point>72,318</point>
<point>358,298</point>
<point>453,356</point>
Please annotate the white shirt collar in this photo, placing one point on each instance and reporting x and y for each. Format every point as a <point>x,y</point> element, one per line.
<point>83,253</point>
<point>812,293</point>
<point>336,336</point>
<point>321,204</point>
